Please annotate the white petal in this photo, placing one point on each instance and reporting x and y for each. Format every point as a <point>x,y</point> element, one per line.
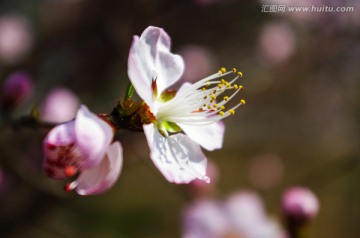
<point>177,157</point>
<point>93,136</point>
<point>141,70</point>
<point>103,177</point>
<point>209,137</point>
<point>169,68</point>
<point>149,59</point>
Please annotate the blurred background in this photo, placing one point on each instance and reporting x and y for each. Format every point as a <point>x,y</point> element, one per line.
<point>300,126</point>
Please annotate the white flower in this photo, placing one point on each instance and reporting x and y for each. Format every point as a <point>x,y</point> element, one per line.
<point>183,121</point>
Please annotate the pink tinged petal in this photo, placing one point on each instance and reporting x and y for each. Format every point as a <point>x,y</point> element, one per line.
<point>209,137</point>
<point>102,177</point>
<point>149,59</point>
<point>93,136</point>
<point>167,66</point>
<point>58,147</point>
<point>177,157</point>
<point>140,70</point>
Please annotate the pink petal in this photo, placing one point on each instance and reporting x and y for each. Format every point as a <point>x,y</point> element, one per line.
<point>177,157</point>
<point>149,59</point>
<point>209,137</point>
<point>102,177</point>
<point>93,136</point>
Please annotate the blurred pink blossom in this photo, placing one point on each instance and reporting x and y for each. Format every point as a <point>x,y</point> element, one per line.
<point>248,217</point>
<point>199,62</point>
<point>205,219</point>
<point>242,215</point>
<point>83,147</point>
<point>16,38</point>
<point>60,105</point>
<point>276,43</point>
<point>300,204</point>
<point>16,89</point>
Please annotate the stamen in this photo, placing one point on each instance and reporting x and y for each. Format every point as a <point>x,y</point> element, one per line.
<point>70,186</point>
<point>70,171</point>
<point>196,104</point>
<point>242,101</point>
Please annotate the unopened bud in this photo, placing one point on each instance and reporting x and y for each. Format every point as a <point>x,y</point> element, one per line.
<point>16,89</point>
<point>299,205</point>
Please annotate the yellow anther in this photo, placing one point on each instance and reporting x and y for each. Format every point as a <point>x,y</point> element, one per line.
<point>228,85</point>
<point>222,107</point>
<point>205,97</point>
<point>221,113</point>
<point>226,98</point>
<point>234,70</point>
<point>242,101</point>
<point>215,105</point>
<point>232,111</point>
<point>203,89</point>
<point>204,104</point>
<point>236,86</point>
<point>214,91</point>
<point>220,85</point>
<point>223,69</point>
<point>240,74</point>
<point>209,107</point>
<point>223,81</point>
<point>207,84</point>
<point>212,100</point>
<point>213,96</point>
<point>241,87</point>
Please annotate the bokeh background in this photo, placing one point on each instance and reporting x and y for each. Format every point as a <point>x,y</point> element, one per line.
<point>300,125</point>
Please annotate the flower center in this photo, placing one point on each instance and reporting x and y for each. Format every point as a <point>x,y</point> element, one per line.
<point>202,103</point>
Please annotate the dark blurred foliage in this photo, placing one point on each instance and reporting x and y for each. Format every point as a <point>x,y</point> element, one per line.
<point>303,109</point>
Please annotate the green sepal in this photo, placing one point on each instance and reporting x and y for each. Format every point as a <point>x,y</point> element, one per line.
<point>129,92</point>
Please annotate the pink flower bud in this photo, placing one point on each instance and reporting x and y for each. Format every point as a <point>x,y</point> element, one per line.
<point>299,204</point>
<point>83,147</point>
<point>15,89</point>
<point>59,106</point>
